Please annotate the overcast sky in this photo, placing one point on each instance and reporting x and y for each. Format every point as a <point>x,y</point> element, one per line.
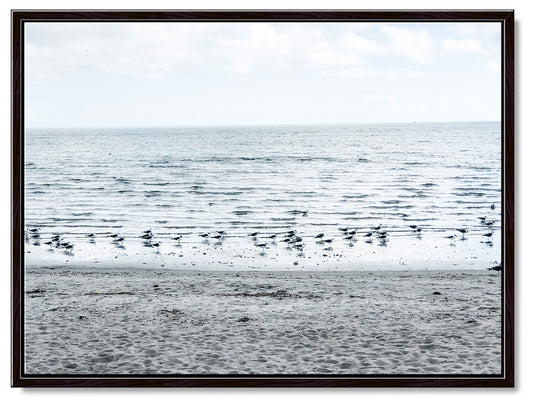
<point>193,74</point>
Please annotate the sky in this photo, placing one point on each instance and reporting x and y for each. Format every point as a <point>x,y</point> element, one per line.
<point>209,74</point>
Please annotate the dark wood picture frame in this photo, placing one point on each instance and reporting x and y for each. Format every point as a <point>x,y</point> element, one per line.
<point>505,17</point>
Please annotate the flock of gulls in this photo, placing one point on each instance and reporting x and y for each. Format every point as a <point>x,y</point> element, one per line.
<point>263,241</point>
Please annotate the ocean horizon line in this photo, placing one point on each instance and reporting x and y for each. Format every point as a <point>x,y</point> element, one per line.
<point>192,126</point>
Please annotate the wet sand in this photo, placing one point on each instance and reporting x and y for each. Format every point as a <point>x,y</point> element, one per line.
<point>81,320</point>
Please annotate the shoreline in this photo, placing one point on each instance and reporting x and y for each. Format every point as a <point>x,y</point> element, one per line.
<point>160,321</point>
<point>410,252</point>
<point>144,268</point>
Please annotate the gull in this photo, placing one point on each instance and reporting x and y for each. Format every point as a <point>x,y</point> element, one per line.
<point>497,268</point>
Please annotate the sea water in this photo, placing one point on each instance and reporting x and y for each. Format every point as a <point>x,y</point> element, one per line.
<point>87,185</point>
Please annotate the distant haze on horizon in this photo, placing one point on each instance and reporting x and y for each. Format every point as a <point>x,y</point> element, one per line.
<point>239,74</point>
<point>237,125</point>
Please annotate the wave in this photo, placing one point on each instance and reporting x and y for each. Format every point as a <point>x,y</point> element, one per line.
<point>248,178</point>
<point>157,184</point>
<point>356,196</point>
<point>230,193</point>
<point>122,180</point>
<point>391,202</point>
<point>469,194</point>
<point>242,213</point>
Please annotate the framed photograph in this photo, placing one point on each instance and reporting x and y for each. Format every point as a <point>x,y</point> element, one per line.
<point>262,198</point>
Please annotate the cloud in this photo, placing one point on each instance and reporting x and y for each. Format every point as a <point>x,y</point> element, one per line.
<point>467,30</point>
<point>165,49</point>
<point>369,73</point>
<point>161,50</point>
<point>480,30</point>
<point>468,45</point>
<point>413,43</point>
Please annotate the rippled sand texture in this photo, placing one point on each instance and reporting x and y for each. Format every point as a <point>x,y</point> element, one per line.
<point>128,321</point>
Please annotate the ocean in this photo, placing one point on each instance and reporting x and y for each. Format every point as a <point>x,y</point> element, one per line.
<point>87,185</point>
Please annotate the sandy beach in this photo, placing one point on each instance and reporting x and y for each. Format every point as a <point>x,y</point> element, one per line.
<point>82,320</point>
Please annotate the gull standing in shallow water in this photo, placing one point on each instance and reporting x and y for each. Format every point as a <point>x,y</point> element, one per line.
<point>497,268</point>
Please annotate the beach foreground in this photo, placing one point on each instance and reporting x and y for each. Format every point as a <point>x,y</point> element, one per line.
<point>143,321</point>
